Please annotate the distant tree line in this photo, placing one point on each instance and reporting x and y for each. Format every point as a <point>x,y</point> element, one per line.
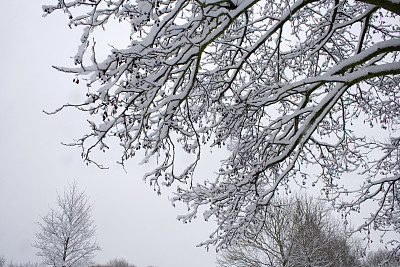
<point>3,263</point>
<point>117,263</point>
<point>111,263</point>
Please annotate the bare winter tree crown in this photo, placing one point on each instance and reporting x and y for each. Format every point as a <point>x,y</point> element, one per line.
<point>65,234</point>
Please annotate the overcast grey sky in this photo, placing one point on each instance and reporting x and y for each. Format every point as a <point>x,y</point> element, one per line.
<point>132,221</point>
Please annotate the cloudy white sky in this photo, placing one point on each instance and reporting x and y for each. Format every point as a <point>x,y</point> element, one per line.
<point>132,221</point>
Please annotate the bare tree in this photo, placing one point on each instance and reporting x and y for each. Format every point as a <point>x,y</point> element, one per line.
<point>287,83</point>
<point>296,232</point>
<point>116,263</point>
<point>119,263</point>
<point>2,261</point>
<point>384,258</point>
<point>66,232</point>
<point>320,239</point>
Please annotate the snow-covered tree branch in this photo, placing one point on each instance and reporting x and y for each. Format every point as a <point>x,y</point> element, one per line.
<point>286,83</point>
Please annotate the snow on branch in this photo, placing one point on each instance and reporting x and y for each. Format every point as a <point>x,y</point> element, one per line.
<point>285,83</point>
